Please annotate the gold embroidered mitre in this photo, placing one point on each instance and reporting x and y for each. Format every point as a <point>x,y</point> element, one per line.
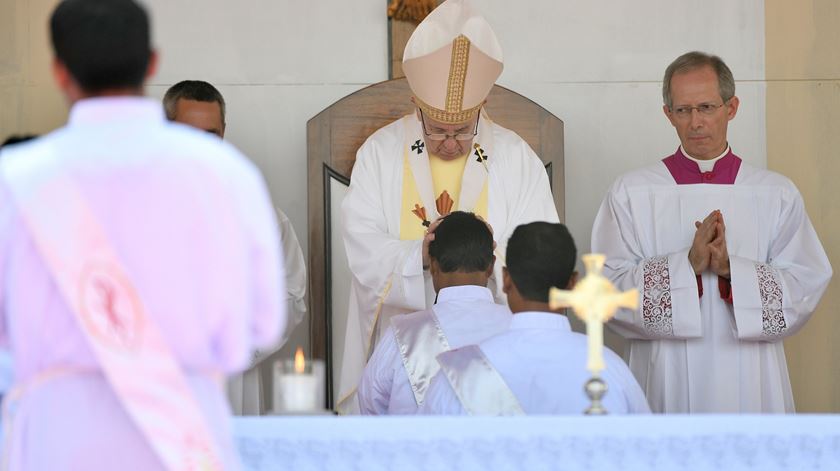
<point>451,62</point>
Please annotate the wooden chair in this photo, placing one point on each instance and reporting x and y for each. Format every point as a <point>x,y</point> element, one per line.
<point>333,137</point>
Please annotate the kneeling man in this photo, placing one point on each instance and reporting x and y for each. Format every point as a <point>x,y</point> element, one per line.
<point>461,261</point>
<point>538,366</point>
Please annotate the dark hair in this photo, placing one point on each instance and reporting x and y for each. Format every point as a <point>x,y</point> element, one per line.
<point>103,43</point>
<point>694,60</point>
<point>463,243</point>
<point>17,139</point>
<point>540,255</point>
<point>197,90</point>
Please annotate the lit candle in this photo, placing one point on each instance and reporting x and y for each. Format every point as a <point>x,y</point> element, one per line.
<point>298,385</point>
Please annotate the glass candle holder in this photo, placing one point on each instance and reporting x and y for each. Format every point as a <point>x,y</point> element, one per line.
<point>298,385</point>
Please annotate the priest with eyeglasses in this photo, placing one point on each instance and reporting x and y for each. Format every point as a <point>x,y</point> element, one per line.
<point>448,155</point>
<point>724,254</point>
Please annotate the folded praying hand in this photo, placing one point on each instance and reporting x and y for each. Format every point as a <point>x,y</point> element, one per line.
<point>708,251</point>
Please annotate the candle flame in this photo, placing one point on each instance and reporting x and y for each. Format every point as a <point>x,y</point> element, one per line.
<point>300,364</point>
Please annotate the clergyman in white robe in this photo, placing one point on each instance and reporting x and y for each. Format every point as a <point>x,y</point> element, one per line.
<point>702,353</point>
<point>451,62</point>
<point>388,275</point>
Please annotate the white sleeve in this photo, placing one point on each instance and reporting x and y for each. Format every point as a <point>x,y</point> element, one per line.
<point>529,196</point>
<point>375,387</point>
<point>773,299</point>
<point>295,267</point>
<point>379,261</point>
<point>670,302</point>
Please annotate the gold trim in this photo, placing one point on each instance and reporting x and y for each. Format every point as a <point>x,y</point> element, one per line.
<point>457,74</point>
<point>446,117</point>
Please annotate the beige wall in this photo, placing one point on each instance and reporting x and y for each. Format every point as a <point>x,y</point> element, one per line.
<point>29,102</point>
<point>803,135</point>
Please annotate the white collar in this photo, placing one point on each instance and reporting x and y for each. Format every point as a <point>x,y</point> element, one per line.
<point>705,165</point>
<point>539,320</point>
<point>465,292</point>
<point>118,108</point>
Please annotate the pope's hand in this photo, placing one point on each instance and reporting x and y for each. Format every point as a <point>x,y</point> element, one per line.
<point>428,238</point>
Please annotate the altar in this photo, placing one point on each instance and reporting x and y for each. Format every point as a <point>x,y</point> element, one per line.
<point>674,442</point>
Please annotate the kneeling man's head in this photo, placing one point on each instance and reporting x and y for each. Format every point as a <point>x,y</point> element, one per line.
<point>461,252</point>
<point>540,256</point>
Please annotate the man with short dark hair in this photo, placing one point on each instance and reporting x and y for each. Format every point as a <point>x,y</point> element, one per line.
<point>538,366</point>
<point>724,255</point>
<point>197,104</point>
<point>139,264</point>
<point>461,261</point>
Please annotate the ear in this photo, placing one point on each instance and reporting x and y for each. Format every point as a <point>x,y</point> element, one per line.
<point>434,267</point>
<point>489,271</point>
<point>572,280</point>
<point>668,115</point>
<point>151,69</point>
<point>60,74</point>
<point>507,282</point>
<point>732,107</point>
<point>65,82</point>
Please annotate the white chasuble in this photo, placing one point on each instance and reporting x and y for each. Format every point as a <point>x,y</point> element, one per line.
<point>701,353</point>
<point>388,276</point>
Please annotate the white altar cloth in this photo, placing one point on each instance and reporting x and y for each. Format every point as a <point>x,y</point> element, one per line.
<point>621,443</point>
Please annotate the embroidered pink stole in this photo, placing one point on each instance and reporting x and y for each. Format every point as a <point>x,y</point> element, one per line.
<point>131,351</point>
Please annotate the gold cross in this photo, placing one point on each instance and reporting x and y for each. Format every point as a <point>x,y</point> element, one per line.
<point>594,300</point>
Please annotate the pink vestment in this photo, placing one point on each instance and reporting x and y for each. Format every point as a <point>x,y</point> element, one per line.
<point>192,222</point>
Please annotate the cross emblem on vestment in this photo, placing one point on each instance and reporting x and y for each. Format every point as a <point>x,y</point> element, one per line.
<point>418,146</point>
<point>595,300</point>
<point>481,157</point>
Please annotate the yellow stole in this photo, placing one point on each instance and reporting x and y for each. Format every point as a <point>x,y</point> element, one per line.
<point>446,176</point>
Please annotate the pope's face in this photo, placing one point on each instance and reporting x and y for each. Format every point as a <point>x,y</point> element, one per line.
<point>702,133</point>
<point>204,115</point>
<point>449,148</point>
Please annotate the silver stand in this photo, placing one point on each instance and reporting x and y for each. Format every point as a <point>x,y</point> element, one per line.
<point>595,389</point>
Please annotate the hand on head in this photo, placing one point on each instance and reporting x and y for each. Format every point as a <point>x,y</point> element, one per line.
<point>427,239</point>
<point>430,236</point>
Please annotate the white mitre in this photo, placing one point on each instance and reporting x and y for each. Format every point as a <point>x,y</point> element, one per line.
<point>451,62</point>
